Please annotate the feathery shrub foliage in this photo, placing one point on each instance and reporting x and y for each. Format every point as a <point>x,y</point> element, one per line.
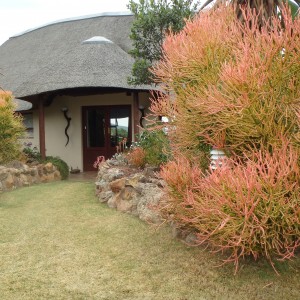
<point>136,157</point>
<point>235,87</point>
<point>246,209</point>
<point>11,129</point>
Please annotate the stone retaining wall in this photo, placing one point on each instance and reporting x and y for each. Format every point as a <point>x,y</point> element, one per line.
<point>18,174</point>
<point>130,190</point>
<point>136,192</point>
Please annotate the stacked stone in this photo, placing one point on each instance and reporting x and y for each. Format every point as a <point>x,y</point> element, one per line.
<point>17,175</point>
<point>136,192</point>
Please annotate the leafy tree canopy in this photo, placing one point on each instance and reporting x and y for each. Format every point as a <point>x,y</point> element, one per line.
<point>153,19</point>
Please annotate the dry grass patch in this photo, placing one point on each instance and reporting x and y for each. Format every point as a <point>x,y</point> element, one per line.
<point>58,242</point>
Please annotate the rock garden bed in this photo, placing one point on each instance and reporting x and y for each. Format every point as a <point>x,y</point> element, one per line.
<point>130,190</point>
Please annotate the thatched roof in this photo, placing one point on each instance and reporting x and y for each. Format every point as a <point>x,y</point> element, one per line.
<point>85,52</point>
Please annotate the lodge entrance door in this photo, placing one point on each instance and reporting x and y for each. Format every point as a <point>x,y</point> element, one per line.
<point>103,128</point>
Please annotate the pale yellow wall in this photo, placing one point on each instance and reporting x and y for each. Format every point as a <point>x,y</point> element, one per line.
<point>55,124</point>
<point>144,103</point>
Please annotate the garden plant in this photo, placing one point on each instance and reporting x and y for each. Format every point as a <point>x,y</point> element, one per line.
<point>153,18</point>
<point>11,129</point>
<point>234,86</point>
<point>152,149</point>
<point>32,154</point>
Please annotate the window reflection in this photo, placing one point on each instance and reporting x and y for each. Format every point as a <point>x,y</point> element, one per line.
<point>119,125</point>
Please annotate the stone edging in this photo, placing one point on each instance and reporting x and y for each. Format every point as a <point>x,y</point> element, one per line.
<point>136,192</point>
<point>17,175</point>
<point>130,190</point>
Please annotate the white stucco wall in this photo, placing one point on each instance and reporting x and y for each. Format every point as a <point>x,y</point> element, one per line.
<point>55,123</point>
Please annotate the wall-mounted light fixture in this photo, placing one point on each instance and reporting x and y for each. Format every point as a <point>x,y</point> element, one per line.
<point>142,110</point>
<point>217,158</point>
<point>65,112</point>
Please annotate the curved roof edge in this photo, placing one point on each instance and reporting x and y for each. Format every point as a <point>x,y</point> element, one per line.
<point>104,14</point>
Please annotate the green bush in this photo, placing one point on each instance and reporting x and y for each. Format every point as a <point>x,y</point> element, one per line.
<point>11,129</point>
<point>61,165</point>
<point>34,155</point>
<point>156,147</point>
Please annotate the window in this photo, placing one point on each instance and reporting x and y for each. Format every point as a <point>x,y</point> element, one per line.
<point>28,123</point>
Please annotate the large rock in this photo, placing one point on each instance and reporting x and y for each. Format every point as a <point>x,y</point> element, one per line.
<point>56,175</point>
<point>49,168</point>
<point>9,182</point>
<point>25,180</point>
<point>113,175</point>
<point>117,185</point>
<point>3,174</point>
<point>108,174</point>
<point>134,180</point>
<point>105,196</point>
<point>127,200</point>
<point>15,164</point>
<point>147,206</point>
<point>33,172</point>
<point>112,202</point>
<point>136,192</point>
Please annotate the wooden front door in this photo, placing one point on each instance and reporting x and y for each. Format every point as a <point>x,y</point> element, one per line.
<point>103,127</point>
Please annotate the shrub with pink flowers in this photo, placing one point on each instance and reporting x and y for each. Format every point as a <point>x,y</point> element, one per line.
<point>233,86</point>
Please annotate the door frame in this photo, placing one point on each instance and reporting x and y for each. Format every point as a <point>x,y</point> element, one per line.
<point>107,148</point>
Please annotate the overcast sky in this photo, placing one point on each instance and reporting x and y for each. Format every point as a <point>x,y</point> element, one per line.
<point>19,15</point>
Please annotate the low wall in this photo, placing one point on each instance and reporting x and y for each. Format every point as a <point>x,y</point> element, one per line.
<point>17,175</point>
<point>136,192</point>
<point>130,190</point>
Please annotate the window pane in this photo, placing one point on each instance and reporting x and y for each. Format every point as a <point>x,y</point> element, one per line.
<point>119,125</point>
<point>28,124</point>
<point>95,128</point>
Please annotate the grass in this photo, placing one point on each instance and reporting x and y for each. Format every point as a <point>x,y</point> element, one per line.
<point>58,242</point>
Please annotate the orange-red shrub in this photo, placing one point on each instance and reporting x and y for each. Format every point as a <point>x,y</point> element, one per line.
<point>137,157</point>
<point>248,209</point>
<point>229,85</point>
<point>233,86</point>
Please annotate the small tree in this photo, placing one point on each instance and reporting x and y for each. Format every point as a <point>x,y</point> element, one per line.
<point>153,19</point>
<point>11,128</point>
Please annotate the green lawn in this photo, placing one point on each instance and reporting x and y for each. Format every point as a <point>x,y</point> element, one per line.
<point>58,242</point>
